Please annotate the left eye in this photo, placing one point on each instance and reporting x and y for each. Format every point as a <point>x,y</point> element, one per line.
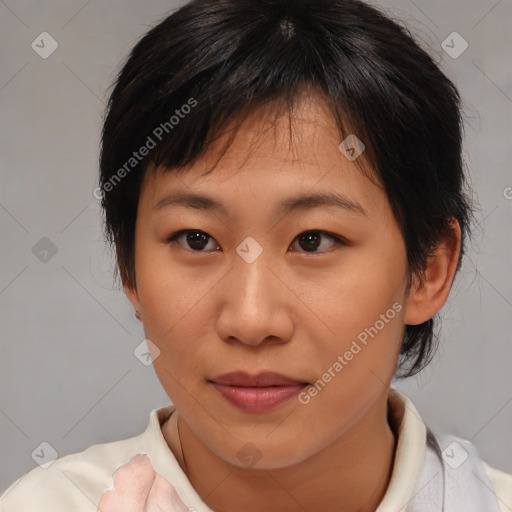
<point>310,240</point>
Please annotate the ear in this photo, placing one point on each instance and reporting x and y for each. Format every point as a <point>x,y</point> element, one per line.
<point>426,300</point>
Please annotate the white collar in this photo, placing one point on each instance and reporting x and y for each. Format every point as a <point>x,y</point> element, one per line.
<point>409,455</point>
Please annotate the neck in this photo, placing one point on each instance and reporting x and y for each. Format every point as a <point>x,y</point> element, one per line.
<point>354,471</point>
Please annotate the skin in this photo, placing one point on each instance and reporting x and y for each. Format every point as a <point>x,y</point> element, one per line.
<point>137,488</point>
<point>292,310</point>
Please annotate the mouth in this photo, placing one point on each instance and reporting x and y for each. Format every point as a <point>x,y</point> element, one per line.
<point>257,393</point>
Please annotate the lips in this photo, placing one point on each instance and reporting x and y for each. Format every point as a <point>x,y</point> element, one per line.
<point>263,379</point>
<point>257,393</point>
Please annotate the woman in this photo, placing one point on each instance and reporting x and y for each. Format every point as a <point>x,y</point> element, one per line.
<point>284,187</point>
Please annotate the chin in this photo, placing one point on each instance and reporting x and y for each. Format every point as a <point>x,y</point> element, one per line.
<point>264,455</point>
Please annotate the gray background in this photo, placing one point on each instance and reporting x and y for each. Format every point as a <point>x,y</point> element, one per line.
<point>68,375</point>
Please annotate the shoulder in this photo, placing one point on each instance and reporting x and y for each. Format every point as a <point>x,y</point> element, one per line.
<point>502,483</point>
<point>475,474</point>
<point>72,482</point>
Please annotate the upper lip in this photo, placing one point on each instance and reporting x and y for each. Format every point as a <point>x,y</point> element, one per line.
<point>262,379</point>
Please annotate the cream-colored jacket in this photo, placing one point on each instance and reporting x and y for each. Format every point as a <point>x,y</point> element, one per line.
<point>76,482</point>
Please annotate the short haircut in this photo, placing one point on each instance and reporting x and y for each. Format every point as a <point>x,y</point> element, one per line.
<point>210,62</point>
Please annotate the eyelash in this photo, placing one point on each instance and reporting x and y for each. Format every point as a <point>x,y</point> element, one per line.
<point>338,241</point>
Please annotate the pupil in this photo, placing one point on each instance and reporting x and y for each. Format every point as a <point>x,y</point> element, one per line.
<point>194,240</point>
<point>312,236</point>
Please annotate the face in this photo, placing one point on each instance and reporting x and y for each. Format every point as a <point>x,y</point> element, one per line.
<point>315,292</point>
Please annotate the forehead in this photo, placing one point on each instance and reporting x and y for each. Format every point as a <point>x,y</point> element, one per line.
<point>272,157</point>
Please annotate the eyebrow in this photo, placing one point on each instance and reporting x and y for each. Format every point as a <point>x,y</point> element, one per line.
<point>297,203</point>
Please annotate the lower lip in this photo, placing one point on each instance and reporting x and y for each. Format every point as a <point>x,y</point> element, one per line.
<point>258,399</point>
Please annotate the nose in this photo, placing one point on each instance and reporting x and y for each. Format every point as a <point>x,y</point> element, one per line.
<point>256,304</point>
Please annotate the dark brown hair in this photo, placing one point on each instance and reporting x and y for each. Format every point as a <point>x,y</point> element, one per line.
<point>211,61</point>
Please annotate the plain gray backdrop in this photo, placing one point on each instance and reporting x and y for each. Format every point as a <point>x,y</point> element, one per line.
<point>68,374</point>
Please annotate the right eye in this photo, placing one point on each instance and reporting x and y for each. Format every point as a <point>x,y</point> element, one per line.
<point>194,238</point>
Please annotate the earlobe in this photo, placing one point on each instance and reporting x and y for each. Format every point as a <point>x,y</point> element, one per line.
<point>428,297</point>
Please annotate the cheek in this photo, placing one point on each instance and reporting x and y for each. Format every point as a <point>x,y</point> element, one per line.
<point>168,298</point>
<point>362,288</point>
<point>170,306</point>
<point>363,307</point>
<point>357,366</point>
<point>166,292</point>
